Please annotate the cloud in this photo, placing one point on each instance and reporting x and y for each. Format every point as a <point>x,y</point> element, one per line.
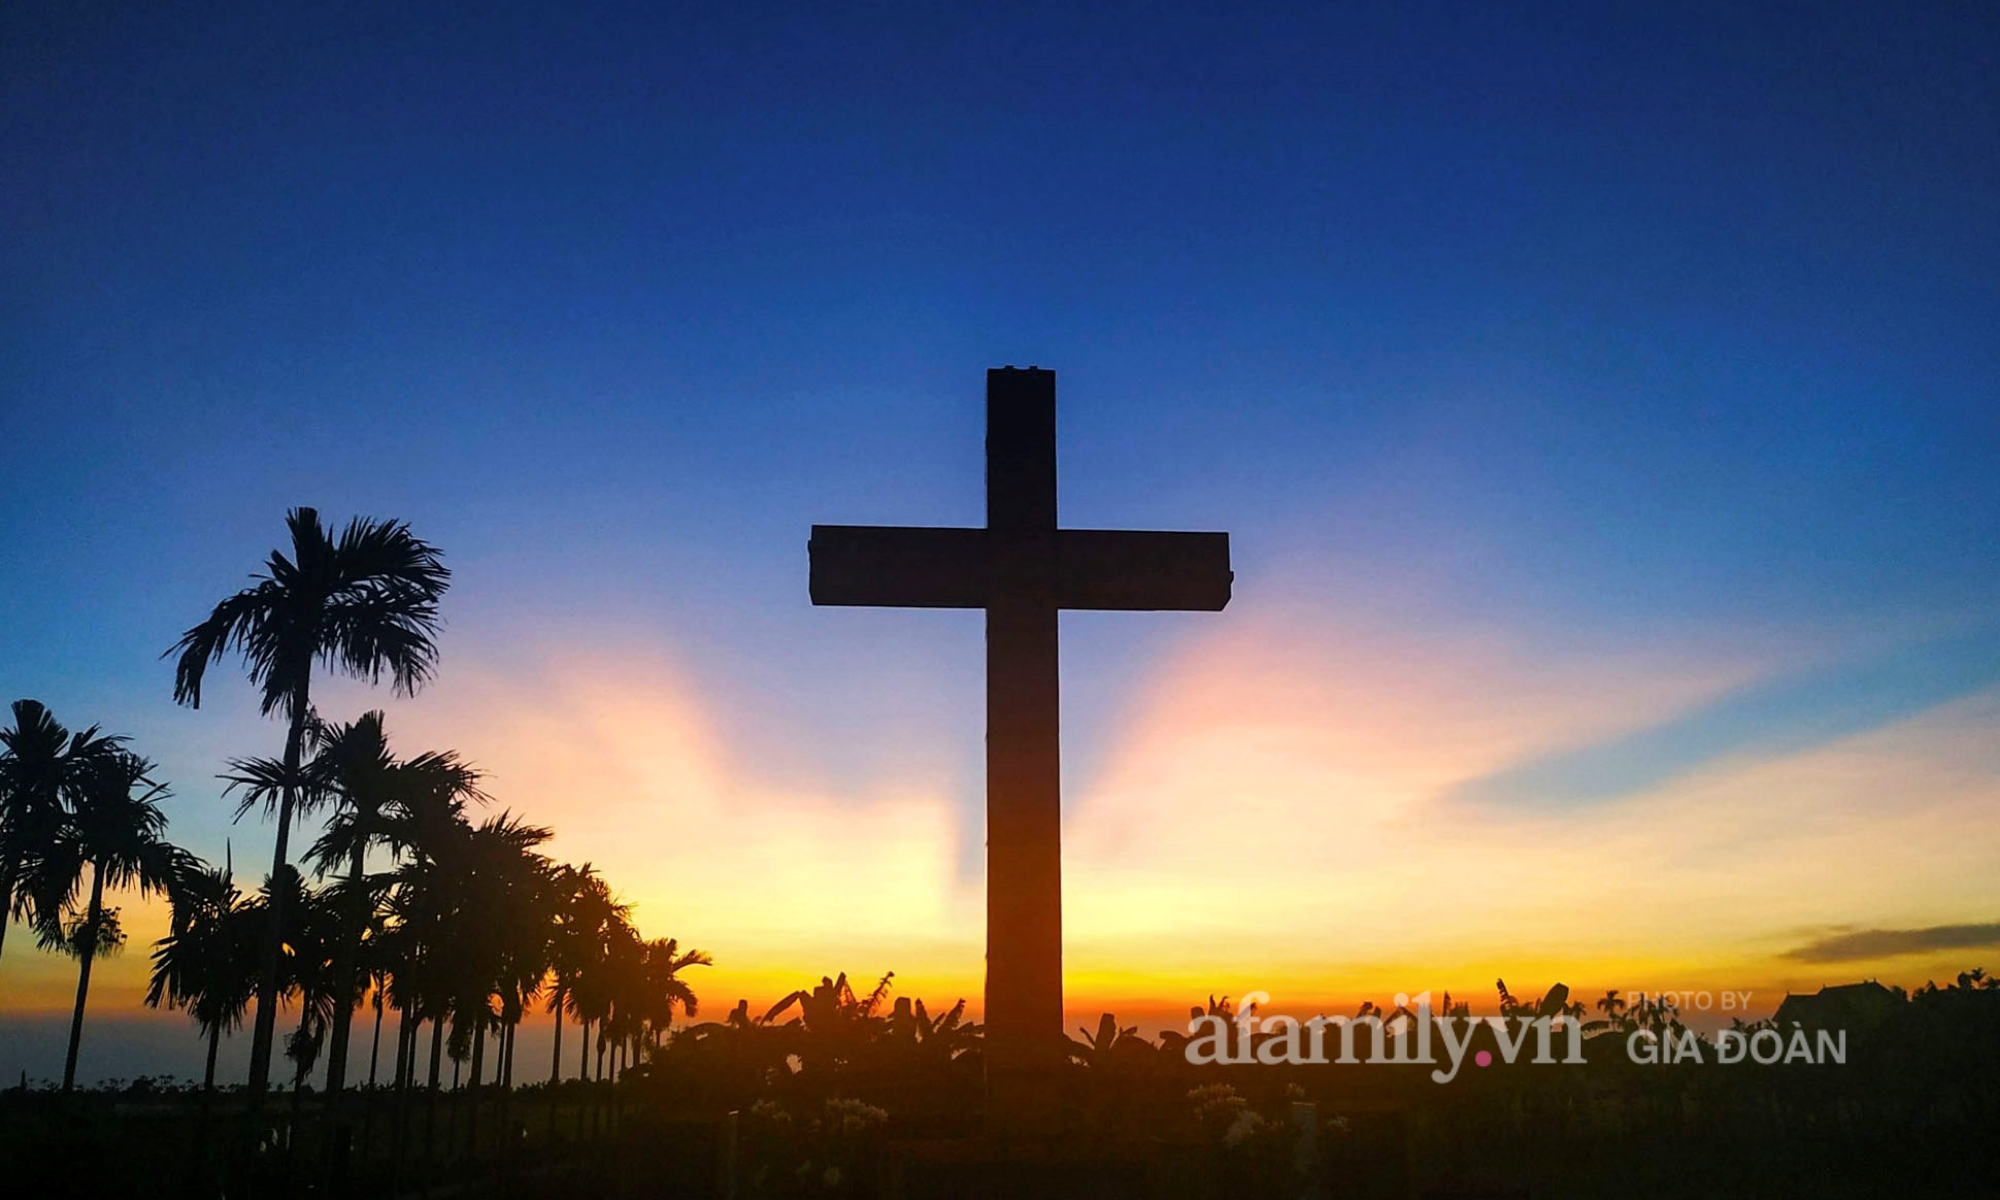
<point>781,878</point>
<point>1862,944</point>
<point>1784,715</point>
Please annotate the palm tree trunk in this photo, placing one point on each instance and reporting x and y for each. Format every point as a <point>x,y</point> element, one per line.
<point>406,1053</point>
<point>472,1093</point>
<point>89,947</point>
<point>214,1043</point>
<point>207,1099</point>
<point>274,935</point>
<point>406,1047</point>
<point>583,1054</point>
<point>437,1061</point>
<point>374,1056</point>
<point>343,986</point>
<point>555,1058</point>
<point>375,1046</point>
<point>299,1074</point>
<point>504,1072</point>
<point>338,1134</point>
<point>555,1066</point>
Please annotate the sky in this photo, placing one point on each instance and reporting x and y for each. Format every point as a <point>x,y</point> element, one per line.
<point>1602,406</point>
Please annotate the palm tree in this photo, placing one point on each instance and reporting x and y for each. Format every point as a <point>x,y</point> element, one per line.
<point>113,830</point>
<point>663,987</point>
<point>418,939</point>
<point>41,764</point>
<point>371,788</point>
<point>360,771</point>
<point>1613,1008</point>
<point>311,927</point>
<point>478,889</point>
<point>528,917</point>
<point>458,903</point>
<point>207,963</point>
<point>613,955</point>
<point>568,891</point>
<point>589,917</point>
<point>362,603</point>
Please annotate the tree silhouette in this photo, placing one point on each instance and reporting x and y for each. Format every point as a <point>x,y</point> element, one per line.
<point>207,963</point>
<point>1612,1005</point>
<point>661,987</point>
<point>1108,1044</point>
<point>597,932</point>
<point>582,912</point>
<point>311,926</point>
<point>362,603</point>
<point>374,795</point>
<point>42,766</point>
<point>833,1024</point>
<point>426,831</point>
<point>112,831</point>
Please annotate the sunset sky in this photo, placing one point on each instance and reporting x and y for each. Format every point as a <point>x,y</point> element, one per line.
<point>1603,411</point>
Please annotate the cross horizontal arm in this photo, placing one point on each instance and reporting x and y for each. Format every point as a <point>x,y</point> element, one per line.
<point>1135,570</point>
<point>898,566</point>
<point>1109,569</point>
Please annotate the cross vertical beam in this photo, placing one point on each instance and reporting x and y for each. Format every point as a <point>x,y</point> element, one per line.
<point>1023,742</point>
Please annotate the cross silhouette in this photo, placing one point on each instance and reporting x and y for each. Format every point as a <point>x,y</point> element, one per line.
<point>1021,569</point>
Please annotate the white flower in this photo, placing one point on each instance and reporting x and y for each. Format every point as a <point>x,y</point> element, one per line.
<point>1245,1124</point>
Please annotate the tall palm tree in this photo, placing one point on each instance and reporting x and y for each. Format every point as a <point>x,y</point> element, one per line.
<point>41,766</point>
<point>371,789</point>
<point>311,927</point>
<point>498,880</point>
<point>360,603</point>
<point>207,963</point>
<point>437,922</point>
<point>613,955</point>
<point>467,899</point>
<point>527,918</point>
<point>113,831</point>
<point>591,919</point>
<point>582,908</point>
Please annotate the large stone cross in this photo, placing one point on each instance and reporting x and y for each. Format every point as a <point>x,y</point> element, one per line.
<point>1021,569</point>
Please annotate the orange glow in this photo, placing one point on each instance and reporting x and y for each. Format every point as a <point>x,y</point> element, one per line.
<point>1272,814</point>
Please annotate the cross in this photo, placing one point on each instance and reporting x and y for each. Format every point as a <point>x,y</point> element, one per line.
<point>1021,569</point>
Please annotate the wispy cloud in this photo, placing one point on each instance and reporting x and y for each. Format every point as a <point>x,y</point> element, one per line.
<point>1780,716</point>
<point>1859,945</point>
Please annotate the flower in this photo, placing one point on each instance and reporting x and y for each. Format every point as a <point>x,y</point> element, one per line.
<point>853,1116</point>
<point>1240,1130</point>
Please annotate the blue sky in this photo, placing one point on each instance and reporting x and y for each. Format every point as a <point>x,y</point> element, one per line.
<point>1591,331</point>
